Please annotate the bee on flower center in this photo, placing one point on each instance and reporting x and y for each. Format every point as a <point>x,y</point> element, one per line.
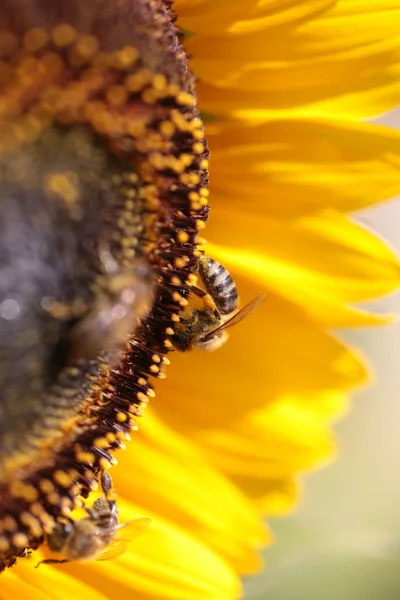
<point>124,297</point>
<point>207,329</point>
<point>99,536</point>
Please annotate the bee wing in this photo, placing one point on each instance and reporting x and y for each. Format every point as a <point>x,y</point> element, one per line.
<point>114,549</point>
<point>237,317</point>
<point>126,531</point>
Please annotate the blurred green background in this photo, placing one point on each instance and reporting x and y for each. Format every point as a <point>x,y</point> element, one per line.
<point>344,541</point>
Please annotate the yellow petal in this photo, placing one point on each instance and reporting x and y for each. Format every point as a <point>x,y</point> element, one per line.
<point>28,583</point>
<point>320,264</point>
<point>207,16</point>
<point>164,563</point>
<point>289,168</point>
<point>276,352</point>
<point>342,57</point>
<point>167,482</point>
<point>198,15</point>
<point>276,442</point>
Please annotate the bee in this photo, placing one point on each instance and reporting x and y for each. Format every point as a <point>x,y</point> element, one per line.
<point>206,329</point>
<point>124,296</point>
<point>99,536</point>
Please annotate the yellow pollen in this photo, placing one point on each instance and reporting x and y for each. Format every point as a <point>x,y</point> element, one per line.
<point>62,478</point>
<point>180,262</point>
<point>35,39</point>
<point>209,302</point>
<point>166,361</point>
<point>182,237</point>
<point>169,331</point>
<point>110,437</point>
<point>198,148</point>
<point>137,81</point>
<point>53,498</point>
<point>159,82</point>
<point>4,545</point>
<point>121,417</point>
<point>186,99</point>
<point>168,344</point>
<point>20,540</point>
<point>141,381</point>
<point>22,490</point>
<point>86,46</point>
<point>101,442</point>
<point>104,463</point>
<point>142,397</point>
<point>203,164</point>
<point>63,35</point>
<point>30,521</point>
<point>9,524</point>
<point>167,128</point>
<point>154,369</point>
<point>83,456</point>
<point>117,95</point>
<point>151,393</point>
<point>46,486</point>
<point>64,185</point>
<point>192,279</point>
<point>175,318</point>
<point>124,58</point>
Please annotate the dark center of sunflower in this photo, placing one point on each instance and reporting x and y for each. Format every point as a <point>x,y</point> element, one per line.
<point>103,165</point>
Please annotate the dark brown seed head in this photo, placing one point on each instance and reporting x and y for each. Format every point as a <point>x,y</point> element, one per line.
<point>103,168</point>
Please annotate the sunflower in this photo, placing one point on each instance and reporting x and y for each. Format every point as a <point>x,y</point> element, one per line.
<point>282,89</point>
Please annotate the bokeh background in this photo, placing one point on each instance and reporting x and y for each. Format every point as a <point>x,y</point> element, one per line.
<point>344,541</point>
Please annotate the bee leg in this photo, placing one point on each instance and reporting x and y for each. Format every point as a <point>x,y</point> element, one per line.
<point>208,301</point>
<point>185,321</point>
<point>198,291</point>
<point>51,561</point>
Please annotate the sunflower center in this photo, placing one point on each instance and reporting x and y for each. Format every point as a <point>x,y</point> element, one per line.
<point>103,171</point>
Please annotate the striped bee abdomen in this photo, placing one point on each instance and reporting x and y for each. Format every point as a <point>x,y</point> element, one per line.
<point>219,284</point>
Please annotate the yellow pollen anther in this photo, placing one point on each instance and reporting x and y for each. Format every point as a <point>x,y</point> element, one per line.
<point>124,58</point>
<point>101,442</point>
<point>83,456</point>
<point>4,545</point>
<point>63,35</point>
<point>35,39</point>
<point>53,498</point>
<point>62,478</point>
<point>20,540</point>
<point>86,46</point>
<point>182,237</point>
<point>104,463</point>
<point>198,148</point>
<point>117,95</point>
<point>142,397</point>
<point>121,417</point>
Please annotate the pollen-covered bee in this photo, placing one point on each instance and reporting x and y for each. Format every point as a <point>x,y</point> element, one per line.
<point>206,329</point>
<point>99,536</point>
<point>124,296</point>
